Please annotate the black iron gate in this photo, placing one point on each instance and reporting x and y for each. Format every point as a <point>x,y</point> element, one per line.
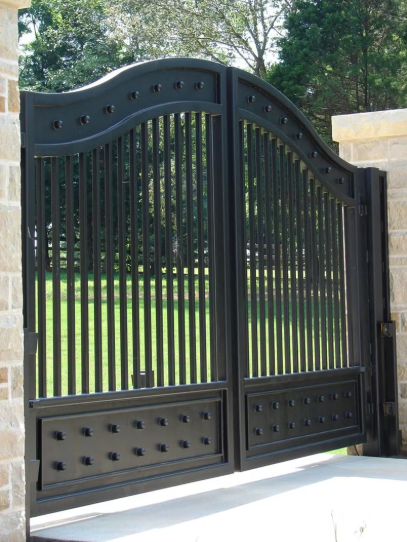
<point>197,277</point>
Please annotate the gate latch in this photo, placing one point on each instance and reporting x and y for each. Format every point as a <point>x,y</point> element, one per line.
<point>389,409</point>
<point>387,329</point>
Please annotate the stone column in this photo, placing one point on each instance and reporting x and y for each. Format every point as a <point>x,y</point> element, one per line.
<point>12,475</point>
<point>380,140</point>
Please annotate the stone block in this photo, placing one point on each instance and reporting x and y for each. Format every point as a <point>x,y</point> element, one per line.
<point>9,138</point>
<point>3,181</point>
<point>9,68</point>
<point>3,85</point>
<point>397,211</point>
<point>4,499</point>
<point>8,33</point>
<point>379,124</point>
<point>4,395</point>
<point>397,261</point>
<point>395,316</point>
<point>4,474</point>
<point>17,484</point>
<point>402,349</point>
<point>11,337</point>
<point>12,431</point>
<point>397,177</point>
<point>398,290</point>
<point>397,148</point>
<point>3,375</point>
<point>397,244</point>
<point>401,372</point>
<point>4,293</point>
<point>403,413</point>
<point>17,382</point>
<point>403,390</point>
<point>10,228</point>
<point>12,527</point>
<point>345,151</point>
<point>370,150</point>
<point>2,104</point>
<point>13,96</point>
<point>14,185</point>
<point>16,293</point>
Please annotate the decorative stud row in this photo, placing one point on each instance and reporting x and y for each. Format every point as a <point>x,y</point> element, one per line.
<point>307,422</point>
<point>275,405</point>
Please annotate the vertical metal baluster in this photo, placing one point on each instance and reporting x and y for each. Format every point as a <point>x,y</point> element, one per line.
<point>293,282</point>
<point>42,281</point>
<point>157,252</point>
<point>342,291</point>
<point>315,277</point>
<point>284,246</point>
<point>269,252</point>
<point>245,240</point>
<point>211,243</point>
<point>190,250</point>
<point>308,268</point>
<point>335,264</point>
<point>109,255</point>
<point>84,266</point>
<point>277,189</point>
<point>97,271</point>
<point>260,243</point>
<point>134,242</point>
<point>330,317</point>
<point>322,279</point>
<point>201,254</point>
<point>300,263</point>
<point>168,250</point>
<point>70,274</point>
<point>180,263</point>
<point>252,238</point>
<point>145,188</point>
<point>122,219</point>
<point>56,274</point>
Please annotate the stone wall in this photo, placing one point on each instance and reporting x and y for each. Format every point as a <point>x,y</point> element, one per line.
<point>380,140</point>
<point>12,475</point>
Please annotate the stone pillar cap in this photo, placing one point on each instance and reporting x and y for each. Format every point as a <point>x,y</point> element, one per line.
<point>18,4</point>
<point>378,124</point>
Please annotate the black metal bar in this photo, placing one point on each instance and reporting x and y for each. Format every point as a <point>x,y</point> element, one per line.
<point>146,255</point>
<point>180,248</point>
<point>190,250</point>
<point>84,267</point>
<point>328,243</point>
<point>134,247</point>
<point>157,253</point>
<point>308,267</point>
<point>252,244</point>
<point>322,279</point>
<point>343,324</point>
<point>260,248</point>
<point>56,275</point>
<point>277,187</point>
<point>244,242</point>
<point>42,280</point>
<point>122,218</point>
<point>97,317</point>
<point>335,274</point>
<point>269,251</point>
<point>168,250</point>
<point>70,274</point>
<point>300,263</point>
<point>315,278</point>
<point>109,259</point>
<point>201,248</point>
<point>284,247</point>
<point>293,271</point>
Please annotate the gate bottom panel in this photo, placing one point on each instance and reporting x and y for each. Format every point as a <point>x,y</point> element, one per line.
<point>83,451</point>
<point>302,414</point>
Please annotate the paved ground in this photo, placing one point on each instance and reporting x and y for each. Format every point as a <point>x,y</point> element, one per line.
<point>322,498</point>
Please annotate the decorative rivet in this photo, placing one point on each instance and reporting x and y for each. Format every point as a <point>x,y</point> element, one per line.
<point>134,95</point>
<point>186,443</point>
<point>163,422</point>
<point>258,431</point>
<point>207,440</point>
<point>179,84</point>
<point>334,396</point>
<point>157,88</point>
<point>115,428</point>
<point>307,401</point>
<point>321,398</point>
<point>348,415</point>
<point>276,428</point>
<point>164,447</point>
<point>267,108</point>
<point>276,405</point>
<point>60,465</point>
<point>291,402</point>
<point>88,461</point>
<point>85,119</point>
<point>299,135</point>
<point>341,180</point>
<point>207,416</point>
<point>307,422</point>
<point>291,425</point>
<point>140,451</point>
<point>186,419</point>
<point>60,435</point>
<point>110,109</point>
<point>313,154</point>
<point>321,419</point>
<point>258,408</point>
<point>335,417</point>
<point>251,99</point>
<point>88,432</point>
<point>200,85</point>
<point>283,120</point>
<point>327,169</point>
<point>57,124</point>
<point>348,394</point>
<point>140,424</point>
<point>115,456</point>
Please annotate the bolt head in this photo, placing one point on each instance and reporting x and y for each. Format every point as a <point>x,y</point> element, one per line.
<point>60,465</point>
<point>291,425</point>
<point>200,85</point>
<point>140,424</point>
<point>179,84</point>
<point>348,394</point>
<point>88,432</point>
<point>307,422</point>
<point>85,119</point>
<point>110,109</point>
<point>115,428</point>
<point>186,443</point>
<point>163,422</point>
<point>335,417</point>
<point>334,396</point>
<point>88,461</point>
<point>258,408</point>
<point>299,135</point>
<point>258,431</point>
<point>207,416</point>
<point>267,108</point>
<point>276,405</point>
<point>327,169</point>
<point>291,403</point>
<point>60,435</point>
<point>57,124</point>
<point>164,447</point>
<point>276,428</point>
<point>157,87</point>
<point>134,95</point>
<point>313,154</point>
<point>321,419</point>
<point>207,440</point>
<point>251,99</point>
<point>283,120</point>
<point>140,452</point>
<point>341,180</point>
<point>321,398</point>
<point>186,419</point>
<point>307,401</point>
<point>115,456</point>
<point>349,415</point>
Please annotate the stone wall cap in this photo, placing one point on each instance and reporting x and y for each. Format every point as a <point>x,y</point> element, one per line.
<point>378,124</point>
<point>18,4</point>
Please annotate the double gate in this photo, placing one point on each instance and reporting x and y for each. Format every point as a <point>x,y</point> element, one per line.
<point>205,286</point>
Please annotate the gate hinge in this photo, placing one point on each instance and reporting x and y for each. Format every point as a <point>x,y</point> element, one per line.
<point>389,409</point>
<point>362,207</point>
<point>387,329</point>
<point>23,140</point>
<point>33,467</point>
<point>31,340</point>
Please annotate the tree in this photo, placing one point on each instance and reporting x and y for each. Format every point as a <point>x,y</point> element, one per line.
<point>340,57</point>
